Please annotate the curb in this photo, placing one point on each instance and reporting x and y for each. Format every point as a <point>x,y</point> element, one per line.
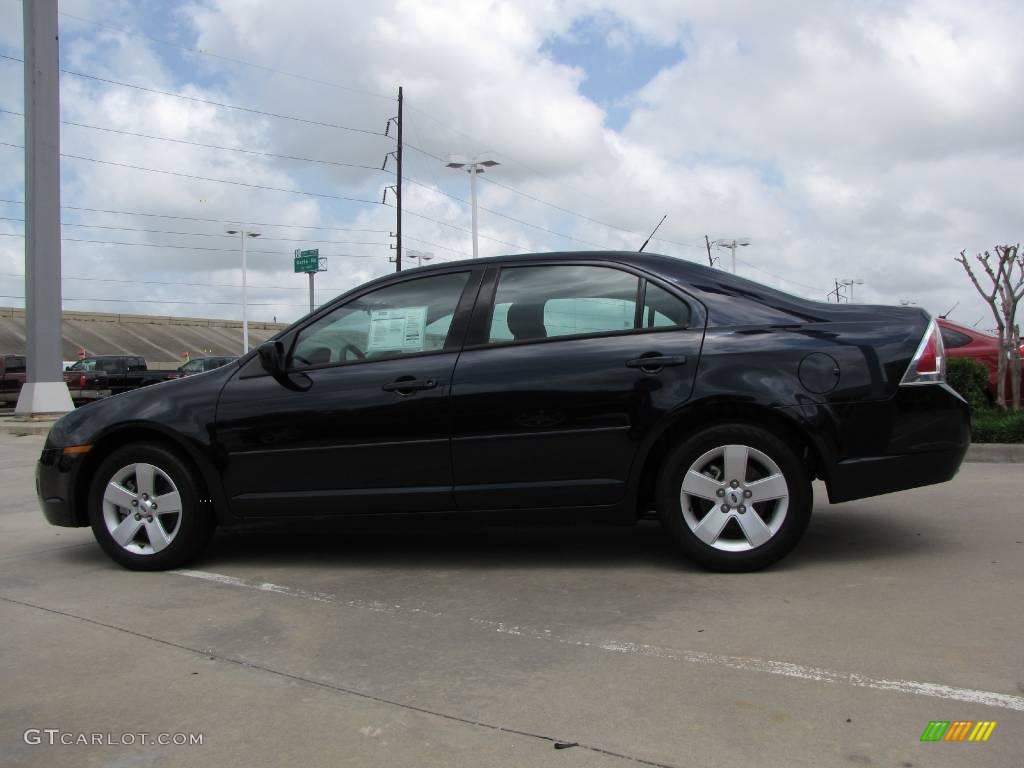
<point>21,428</point>
<point>995,453</point>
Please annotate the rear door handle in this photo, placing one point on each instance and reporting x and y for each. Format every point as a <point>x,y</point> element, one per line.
<point>652,363</point>
<point>406,385</point>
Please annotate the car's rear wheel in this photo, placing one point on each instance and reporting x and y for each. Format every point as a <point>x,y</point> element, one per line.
<point>735,497</point>
<point>145,511</point>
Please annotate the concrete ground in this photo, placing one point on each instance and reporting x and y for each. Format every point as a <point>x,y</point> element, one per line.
<point>494,647</point>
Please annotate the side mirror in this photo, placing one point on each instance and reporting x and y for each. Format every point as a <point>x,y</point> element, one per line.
<point>272,357</point>
<point>271,354</point>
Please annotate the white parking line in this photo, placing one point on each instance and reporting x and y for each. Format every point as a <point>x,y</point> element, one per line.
<point>743,663</point>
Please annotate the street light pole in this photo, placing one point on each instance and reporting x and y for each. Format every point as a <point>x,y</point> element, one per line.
<point>245,234</point>
<point>850,282</point>
<point>473,166</point>
<point>472,191</point>
<point>731,245</point>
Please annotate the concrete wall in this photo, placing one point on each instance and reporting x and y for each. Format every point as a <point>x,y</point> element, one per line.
<point>161,340</point>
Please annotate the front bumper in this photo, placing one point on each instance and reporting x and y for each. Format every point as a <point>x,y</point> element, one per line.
<point>55,483</point>
<point>918,437</point>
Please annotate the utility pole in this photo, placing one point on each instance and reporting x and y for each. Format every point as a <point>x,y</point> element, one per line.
<point>397,188</point>
<point>44,390</point>
<point>711,261</point>
<point>397,194</point>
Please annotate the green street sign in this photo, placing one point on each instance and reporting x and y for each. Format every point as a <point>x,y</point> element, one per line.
<point>307,261</point>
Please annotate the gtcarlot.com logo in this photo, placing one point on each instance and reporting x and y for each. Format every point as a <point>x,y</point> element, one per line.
<point>958,730</point>
<point>55,737</point>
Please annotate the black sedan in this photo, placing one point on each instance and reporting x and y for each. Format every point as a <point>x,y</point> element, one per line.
<point>602,385</point>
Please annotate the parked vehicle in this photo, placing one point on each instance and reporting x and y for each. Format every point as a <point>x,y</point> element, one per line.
<point>98,376</point>
<point>961,341</point>
<point>590,384</point>
<point>201,365</point>
<point>12,377</point>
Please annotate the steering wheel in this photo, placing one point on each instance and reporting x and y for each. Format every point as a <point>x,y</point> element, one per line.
<point>352,348</point>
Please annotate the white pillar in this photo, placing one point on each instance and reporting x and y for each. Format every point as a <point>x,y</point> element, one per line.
<point>44,390</point>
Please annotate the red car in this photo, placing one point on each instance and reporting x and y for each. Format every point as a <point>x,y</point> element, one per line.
<point>983,347</point>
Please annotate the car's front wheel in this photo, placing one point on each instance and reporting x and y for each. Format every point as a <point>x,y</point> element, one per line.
<point>735,497</point>
<point>145,509</point>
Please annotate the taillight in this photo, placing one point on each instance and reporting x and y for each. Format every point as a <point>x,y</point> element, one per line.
<point>81,380</point>
<point>928,365</point>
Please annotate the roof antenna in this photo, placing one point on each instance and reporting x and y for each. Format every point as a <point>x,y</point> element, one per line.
<point>652,233</point>
<point>945,314</point>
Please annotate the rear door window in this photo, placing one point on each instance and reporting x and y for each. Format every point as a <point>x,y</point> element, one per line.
<point>543,302</point>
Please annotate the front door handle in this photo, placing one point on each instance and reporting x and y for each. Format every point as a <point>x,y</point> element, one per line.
<point>406,385</point>
<point>652,363</point>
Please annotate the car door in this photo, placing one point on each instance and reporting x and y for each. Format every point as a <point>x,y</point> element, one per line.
<point>114,373</point>
<point>566,369</point>
<point>363,423</point>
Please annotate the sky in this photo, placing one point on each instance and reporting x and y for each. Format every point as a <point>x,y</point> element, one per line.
<point>867,140</point>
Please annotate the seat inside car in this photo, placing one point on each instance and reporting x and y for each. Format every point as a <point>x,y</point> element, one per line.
<point>319,356</point>
<point>526,321</point>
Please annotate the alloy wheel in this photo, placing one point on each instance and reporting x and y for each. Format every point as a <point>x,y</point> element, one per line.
<point>142,508</point>
<point>734,498</point>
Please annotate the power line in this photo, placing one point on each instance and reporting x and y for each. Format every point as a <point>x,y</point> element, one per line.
<point>437,245</point>
<point>560,208</point>
<point>783,279</point>
<point>207,178</point>
<point>506,216</point>
<point>158,301</point>
<point>198,248</point>
<point>222,105</point>
<point>210,146</point>
<point>173,282</point>
<point>202,234</point>
<point>198,218</point>
<point>207,54</point>
<point>452,226</point>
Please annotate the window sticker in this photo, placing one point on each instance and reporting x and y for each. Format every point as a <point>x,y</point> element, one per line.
<point>397,330</point>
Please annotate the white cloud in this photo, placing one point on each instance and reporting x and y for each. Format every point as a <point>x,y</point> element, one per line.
<point>870,141</point>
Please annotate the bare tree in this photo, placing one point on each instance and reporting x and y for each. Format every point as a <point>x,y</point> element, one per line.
<point>1006,273</point>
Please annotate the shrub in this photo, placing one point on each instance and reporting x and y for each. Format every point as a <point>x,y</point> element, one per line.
<point>970,379</point>
<point>994,426</point>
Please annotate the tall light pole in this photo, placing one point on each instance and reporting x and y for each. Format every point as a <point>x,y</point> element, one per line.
<point>245,234</point>
<point>731,245</point>
<point>850,282</point>
<point>419,256</point>
<point>473,166</point>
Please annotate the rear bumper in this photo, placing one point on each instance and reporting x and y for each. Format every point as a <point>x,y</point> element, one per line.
<point>919,437</point>
<point>55,482</point>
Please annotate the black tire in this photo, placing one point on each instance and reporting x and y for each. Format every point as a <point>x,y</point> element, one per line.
<point>786,537</point>
<point>193,529</point>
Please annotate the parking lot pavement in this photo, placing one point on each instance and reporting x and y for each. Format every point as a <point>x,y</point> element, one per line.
<point>485,647</point>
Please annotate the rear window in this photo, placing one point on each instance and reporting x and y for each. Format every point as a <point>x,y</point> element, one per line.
<point>952,339</point>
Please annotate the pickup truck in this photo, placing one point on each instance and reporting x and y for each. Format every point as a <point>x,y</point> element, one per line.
<point>101,375</point>
<point>12,376</point>
<point>201,365</point>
